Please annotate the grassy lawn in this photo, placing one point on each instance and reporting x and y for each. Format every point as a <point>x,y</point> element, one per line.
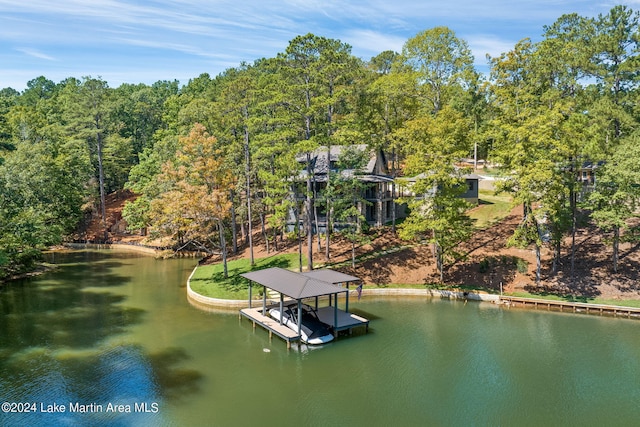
<point>492,209</point>
<point>208,280</point>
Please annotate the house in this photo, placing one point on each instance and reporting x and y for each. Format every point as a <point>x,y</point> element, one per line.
<point>471,194</point>
<point>378,183</point>
<point>588,172</point>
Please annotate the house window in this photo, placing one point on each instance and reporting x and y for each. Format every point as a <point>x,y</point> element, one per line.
<point>470,185</point>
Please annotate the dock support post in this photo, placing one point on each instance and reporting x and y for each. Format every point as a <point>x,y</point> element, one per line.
<point>264,300</point>
<point>281,308</point>
<point>335,317</point>
<point>346,307</point>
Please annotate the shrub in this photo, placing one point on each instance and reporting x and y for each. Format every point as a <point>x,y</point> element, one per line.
<point>484,265</point>
<point>522,266</point>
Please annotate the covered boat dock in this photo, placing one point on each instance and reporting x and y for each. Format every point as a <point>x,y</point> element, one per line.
<point>299,286</point>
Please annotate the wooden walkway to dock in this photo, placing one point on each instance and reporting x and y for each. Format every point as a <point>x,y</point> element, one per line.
<point>575,307</point>
<point>270,324</point>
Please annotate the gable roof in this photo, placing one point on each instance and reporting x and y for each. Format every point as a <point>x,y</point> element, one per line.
<point>319,163</point>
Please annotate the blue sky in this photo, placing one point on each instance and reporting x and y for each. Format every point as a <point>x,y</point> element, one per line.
<point>142,41</point>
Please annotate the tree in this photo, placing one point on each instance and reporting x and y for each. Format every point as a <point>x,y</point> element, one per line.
<point>435,139</point>
<point>235,106</point>
<point>195,204</point>
<point>441,62</point>
<point>8,99</point>
<point>347,191</point>
<point>312,69</point>
<point>532,131</point>
<point>617,194</point>
<point>388,100</point>
<point>88,112</point>
<point>437,213</point>
<point>615,49</point>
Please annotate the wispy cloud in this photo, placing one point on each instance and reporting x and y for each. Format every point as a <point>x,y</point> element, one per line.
<point>373,42</point>
<point>180,38</point>
<point>178,47</point>
<point>35,53</point>
<point>483,45</point>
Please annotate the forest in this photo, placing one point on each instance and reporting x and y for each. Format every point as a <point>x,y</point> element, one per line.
<point>216,158</point>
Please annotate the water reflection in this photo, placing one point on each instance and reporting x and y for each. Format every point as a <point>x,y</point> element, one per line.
<point>116,327</point>
<point>60,346</point>
<point>174,382</point>
<point>63,310</point>
<point>117,376</point>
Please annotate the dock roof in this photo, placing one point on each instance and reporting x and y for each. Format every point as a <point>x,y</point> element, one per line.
<point>291,284</point>
<point>331,276</point>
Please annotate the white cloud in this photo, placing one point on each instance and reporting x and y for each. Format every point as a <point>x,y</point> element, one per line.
<point>373,42</point>
<point>188,37</point>
<point>35,53</point>
<point>484,44</point>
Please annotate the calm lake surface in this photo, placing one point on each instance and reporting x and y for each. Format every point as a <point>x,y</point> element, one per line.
<point>114,328</point>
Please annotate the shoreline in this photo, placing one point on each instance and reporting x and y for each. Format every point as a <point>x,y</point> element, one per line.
<point>213,304</point>
<point>210,304</point>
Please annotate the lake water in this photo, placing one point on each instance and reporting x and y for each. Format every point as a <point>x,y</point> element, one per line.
<point>109,332</point>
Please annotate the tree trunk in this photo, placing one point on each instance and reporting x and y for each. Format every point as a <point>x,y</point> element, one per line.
<point>264,232</point>
<point>243,230</point>
<point>556,256</point>
<point>538,264</point>
<point>247,171</point>
<point>353,254</point>
<point>309,215</point>
<point>440,262</point>
<point>299,234</point>
<point>223,249</point>
<point>393,205</point>
<point>103,208</point>
<point>234,224</point>
<point>616,248</point>
<point>315,215</point>
<point>327,229</point>
<point>574,214</point>
<point>275,239</point>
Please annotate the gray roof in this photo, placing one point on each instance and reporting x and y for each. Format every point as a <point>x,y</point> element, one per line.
<point>319,157</point>
<point>291,284</point>
<point>331,276</point>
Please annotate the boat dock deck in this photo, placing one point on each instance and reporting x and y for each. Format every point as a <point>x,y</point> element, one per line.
<point>327,315</point>
<point>576,307</point>
<point>345,320</point>
<point>270,324</point>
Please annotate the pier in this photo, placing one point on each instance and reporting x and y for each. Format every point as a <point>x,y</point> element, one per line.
<point>568,306</point>
<point>270,324</point>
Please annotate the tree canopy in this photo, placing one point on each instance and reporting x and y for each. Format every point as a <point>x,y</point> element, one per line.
<point>213,159</point>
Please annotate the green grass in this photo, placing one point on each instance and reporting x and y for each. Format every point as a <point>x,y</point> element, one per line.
<point>492,209</point>
<point>209,281</point>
